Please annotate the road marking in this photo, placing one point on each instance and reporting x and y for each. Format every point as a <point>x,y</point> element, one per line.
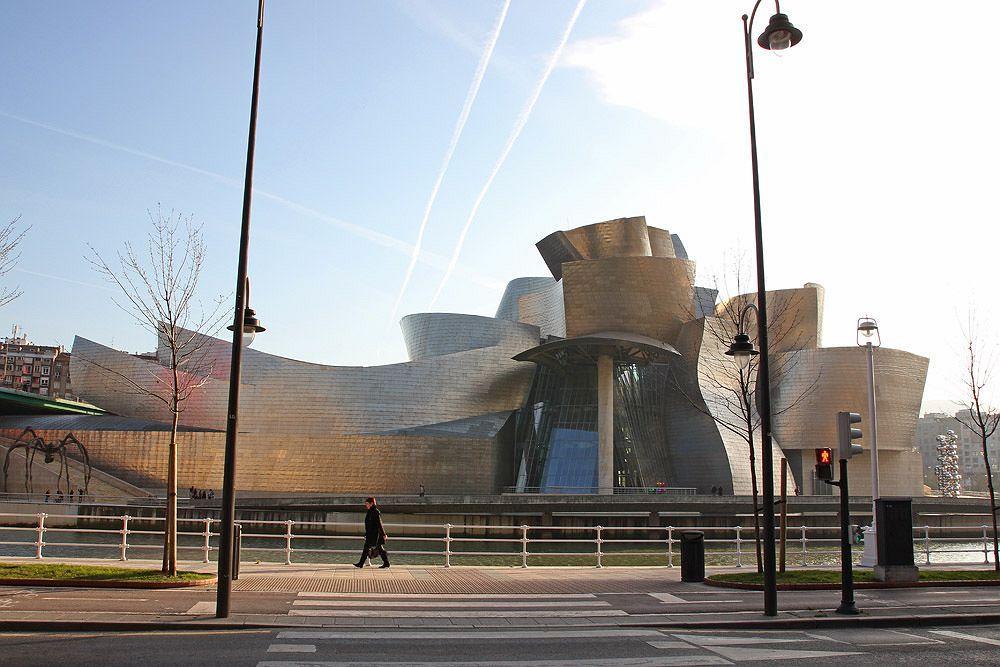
<point>740,654</point>
<point>669,645</point>
<point>450,596</point>
<point>660,661</point>
<point>673,599</point>
<point>449,604</point>
<point>971,638</point>
<point>204,607</point>
<point>710,640</point>
<point>510,613</point>
<point>291,648</point>
<point>102,599</point>
<point>411,635</point>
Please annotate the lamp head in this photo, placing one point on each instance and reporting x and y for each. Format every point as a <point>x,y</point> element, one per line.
<point>868,331</point>
<point>779,34</point>
<point>251,326</point>
<point>742,350</point>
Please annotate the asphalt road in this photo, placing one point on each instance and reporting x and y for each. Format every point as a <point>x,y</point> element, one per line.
<point>541,647</point>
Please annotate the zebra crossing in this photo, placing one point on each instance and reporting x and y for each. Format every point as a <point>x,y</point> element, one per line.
<point>595,647</point>
<point>502,630</point>
<point>454,608</point>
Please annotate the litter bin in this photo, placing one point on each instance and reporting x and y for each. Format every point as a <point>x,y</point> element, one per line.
<point>692,556</point>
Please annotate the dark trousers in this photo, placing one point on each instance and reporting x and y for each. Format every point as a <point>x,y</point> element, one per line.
<point>373,550</point>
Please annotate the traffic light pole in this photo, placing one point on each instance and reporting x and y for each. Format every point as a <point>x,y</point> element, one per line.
<point>846,557</point>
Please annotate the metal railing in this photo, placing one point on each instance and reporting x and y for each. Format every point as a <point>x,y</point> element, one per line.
<point>291,541</point>
<point>591,490</point>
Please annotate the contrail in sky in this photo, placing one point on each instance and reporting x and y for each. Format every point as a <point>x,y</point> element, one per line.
<point>522,120</point>
<point>378,238</point>
<point>470,98</point>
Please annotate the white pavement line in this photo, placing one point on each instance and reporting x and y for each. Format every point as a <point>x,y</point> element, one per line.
<point>510,613</point>
<point>101,599</point>
<point>449,604</point>
<point>709,640</point>
<point>452,596</point>
<point>673,599</point>
<point>740,654</point>
<point>291,648</point>
<point>660,661</point>
<point>204,607</point>
<point>669,645</point>
<point>390,634</point>
<point>971,638</point>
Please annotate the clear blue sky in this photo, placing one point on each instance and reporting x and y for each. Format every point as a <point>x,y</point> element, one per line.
<point>112,107</point>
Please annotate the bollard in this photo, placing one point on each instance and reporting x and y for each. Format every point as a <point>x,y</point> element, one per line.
<point>524,546</point>
<point>598,541</point>
<point>237,546</point>
<point>40,542</point>
<point>288,541</point>
<point>692,556</point>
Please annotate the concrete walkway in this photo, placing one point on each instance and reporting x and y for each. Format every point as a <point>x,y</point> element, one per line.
<point>269,595</point>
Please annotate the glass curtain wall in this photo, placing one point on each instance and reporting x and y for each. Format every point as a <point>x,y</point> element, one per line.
<point>556,443</point>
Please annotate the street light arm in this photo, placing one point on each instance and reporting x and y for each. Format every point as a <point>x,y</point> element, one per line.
<point>743,313</point>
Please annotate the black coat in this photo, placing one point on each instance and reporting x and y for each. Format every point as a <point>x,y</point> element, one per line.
<point>374,532</point>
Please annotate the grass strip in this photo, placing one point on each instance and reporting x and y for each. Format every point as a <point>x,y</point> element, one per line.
<point>58,571</point>
<point>833,576</point>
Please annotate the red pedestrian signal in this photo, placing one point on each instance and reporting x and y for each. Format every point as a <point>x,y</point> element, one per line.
<point>824,463</point>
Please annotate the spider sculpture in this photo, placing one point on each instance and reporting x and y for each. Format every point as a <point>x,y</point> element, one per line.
<point>34,444</point>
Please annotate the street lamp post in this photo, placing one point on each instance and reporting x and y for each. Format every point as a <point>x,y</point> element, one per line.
<point>243,319</point>
<point>868,329</point>
<point>780,34</point>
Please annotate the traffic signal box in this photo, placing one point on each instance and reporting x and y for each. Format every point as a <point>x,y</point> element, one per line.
<point>847,434</point>
<point>824,464</point>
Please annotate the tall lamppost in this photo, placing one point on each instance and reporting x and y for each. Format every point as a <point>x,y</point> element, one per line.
<point>868,330</point>
<point>780,34</point>
<point>244,326</point>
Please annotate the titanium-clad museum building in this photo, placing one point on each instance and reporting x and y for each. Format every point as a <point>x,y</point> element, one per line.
<point>591,379</point>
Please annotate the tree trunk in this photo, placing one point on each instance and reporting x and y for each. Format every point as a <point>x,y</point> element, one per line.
<point>170,531</point>
<point>756,505</point>
<point>993,505</point>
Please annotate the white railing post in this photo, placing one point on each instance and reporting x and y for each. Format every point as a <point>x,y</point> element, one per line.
<point>288,541</point>
<point>927,543</point>
<point>524,546</point>
<point>670,546</point>
<point>986,550</point>
<point>739,545</point>
<point>599,542</point>
<point>40,542</point>
<point>206,544</point>
<point>803,539</point>
<point>447,545</point>
<point>123,546</point>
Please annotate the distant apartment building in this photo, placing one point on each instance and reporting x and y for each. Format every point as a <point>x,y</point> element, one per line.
<point>39,369</point>
<point>970,450</point>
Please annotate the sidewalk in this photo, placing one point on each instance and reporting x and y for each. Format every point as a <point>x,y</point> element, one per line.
<point>325,596</point>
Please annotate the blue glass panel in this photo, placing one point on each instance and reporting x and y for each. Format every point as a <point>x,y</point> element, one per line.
<point>571,464</point>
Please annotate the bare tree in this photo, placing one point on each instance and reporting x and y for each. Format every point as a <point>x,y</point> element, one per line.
<point>980,416</point>
<point>158,285</point>
<point>10,239</point>
<point>726,391</point>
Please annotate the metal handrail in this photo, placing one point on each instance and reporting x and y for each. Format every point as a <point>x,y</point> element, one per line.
<point>734,537</point>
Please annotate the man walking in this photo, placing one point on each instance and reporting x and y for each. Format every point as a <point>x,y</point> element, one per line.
<point>374,535</point>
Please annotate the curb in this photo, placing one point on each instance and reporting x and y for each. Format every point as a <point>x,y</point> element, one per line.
<point>962,583</point>
<point>107,583</point>
<point>133,626</point>
<point>798,623</point>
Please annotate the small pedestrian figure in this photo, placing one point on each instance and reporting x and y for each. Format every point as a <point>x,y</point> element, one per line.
<point>59,496</point>
<point>715,490</point>
<point>47,494</point>
<point>375,536</point>
<point>422,491</point>
<point>211,494</point>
